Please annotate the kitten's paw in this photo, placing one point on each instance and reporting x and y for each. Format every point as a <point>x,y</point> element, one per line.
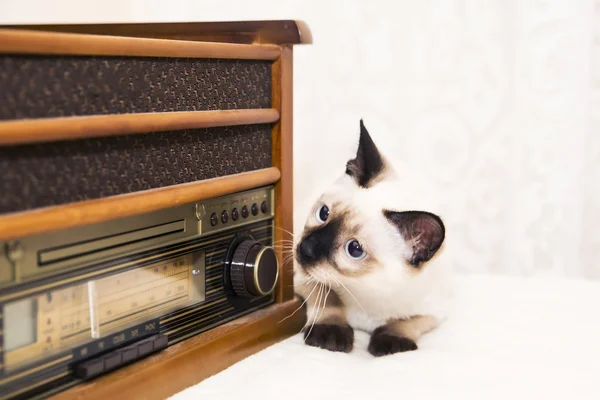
<point>330,337</point>
<point>383,343</point>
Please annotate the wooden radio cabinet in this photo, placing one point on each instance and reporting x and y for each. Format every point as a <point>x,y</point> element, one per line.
<point>140,165</point>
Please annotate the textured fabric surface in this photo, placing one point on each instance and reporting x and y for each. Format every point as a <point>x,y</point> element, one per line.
<point>508,338</point>
<point>62,172</point>
<point>56,86</point>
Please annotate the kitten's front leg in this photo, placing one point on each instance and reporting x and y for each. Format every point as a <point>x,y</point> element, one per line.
<point>400,335</point>
<point>327,326</point>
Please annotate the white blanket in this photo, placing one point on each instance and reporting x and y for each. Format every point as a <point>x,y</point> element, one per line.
<point>508,338</point>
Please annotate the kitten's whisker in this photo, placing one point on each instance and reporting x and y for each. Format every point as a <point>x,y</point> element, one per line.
<point>325,301</point>
<point>332,277</point>
<point>313,309</point>
<point>350,293</point>
<point>288,263</point>
<point>318,304</point>
<point>301,305</point>
<point>283,246</point>
<point>285,230</point>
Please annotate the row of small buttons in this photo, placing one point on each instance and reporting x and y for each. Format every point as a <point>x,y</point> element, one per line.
<point>119,357</point>
<point>235,214</point>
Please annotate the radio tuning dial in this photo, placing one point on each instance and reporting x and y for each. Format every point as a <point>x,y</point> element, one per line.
<point>254,269</point>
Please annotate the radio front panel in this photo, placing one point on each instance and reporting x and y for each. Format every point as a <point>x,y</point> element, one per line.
<point>113,305</point>
<point>40,256</point>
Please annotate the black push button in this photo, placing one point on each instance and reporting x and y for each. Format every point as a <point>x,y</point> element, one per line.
<point>161,342</point>
<point>224,216</point>
<point>90,369</point>
<point>119,357</point>
<point>129,354</point>
<point>112,361</point>
<point>145,348</point>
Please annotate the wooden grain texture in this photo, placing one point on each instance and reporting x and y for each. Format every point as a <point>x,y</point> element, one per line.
<point>282,157</point>
<point>54,218</point>
<point>266,32</point>
<point>20,41</point>
<point>191,361</point>
<point>68,128</point>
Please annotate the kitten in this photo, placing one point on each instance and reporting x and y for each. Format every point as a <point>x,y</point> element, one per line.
<point>370,259</point>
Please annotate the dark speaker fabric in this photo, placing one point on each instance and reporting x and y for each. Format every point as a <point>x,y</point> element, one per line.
<point>59,86</point>
<point>40,175</point>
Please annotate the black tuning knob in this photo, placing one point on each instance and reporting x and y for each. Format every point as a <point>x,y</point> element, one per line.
<point>254,269</point>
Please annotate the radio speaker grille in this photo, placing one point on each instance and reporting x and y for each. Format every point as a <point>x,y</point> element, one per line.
<point>58,86</point>
<point>40,175</point>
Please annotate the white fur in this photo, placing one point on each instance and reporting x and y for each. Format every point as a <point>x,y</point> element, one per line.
<point>393,290</point>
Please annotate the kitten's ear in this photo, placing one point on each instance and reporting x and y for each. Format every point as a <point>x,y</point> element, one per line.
<point>424,231</point>
<point>368,163</point>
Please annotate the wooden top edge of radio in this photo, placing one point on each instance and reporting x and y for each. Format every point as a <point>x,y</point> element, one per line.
<point>279,32</point>
<point>44,220</point>
<point>31,41</point>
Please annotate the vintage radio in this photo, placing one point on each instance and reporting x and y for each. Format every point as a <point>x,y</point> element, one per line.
<point>145,194</point>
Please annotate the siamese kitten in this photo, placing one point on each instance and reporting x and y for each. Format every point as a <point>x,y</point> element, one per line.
<point>369,258</point>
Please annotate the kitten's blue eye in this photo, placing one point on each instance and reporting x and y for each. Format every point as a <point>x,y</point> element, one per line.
<point>322,213</point>
<point>355,250</point>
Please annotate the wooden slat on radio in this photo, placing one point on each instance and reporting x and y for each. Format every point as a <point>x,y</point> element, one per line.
<point>282,156</point>
<point>93,211</point>
<point>68,128</point>
<point>17,41</point>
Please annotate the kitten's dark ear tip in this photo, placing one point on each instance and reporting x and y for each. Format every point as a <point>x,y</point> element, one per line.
<point>368,162</point>
<point>363,129</point>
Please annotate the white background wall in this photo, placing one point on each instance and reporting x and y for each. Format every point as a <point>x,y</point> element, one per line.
<point>497,102</point>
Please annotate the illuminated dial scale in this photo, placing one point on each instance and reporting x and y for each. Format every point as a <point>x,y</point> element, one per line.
<point>72,316</point>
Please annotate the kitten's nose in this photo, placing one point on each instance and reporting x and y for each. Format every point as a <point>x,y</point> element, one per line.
<point>308,248</point>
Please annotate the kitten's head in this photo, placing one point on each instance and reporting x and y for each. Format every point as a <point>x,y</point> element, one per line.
<point>368,223</point>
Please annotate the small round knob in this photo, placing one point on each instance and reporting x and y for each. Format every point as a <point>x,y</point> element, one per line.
<point>254,269</point>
